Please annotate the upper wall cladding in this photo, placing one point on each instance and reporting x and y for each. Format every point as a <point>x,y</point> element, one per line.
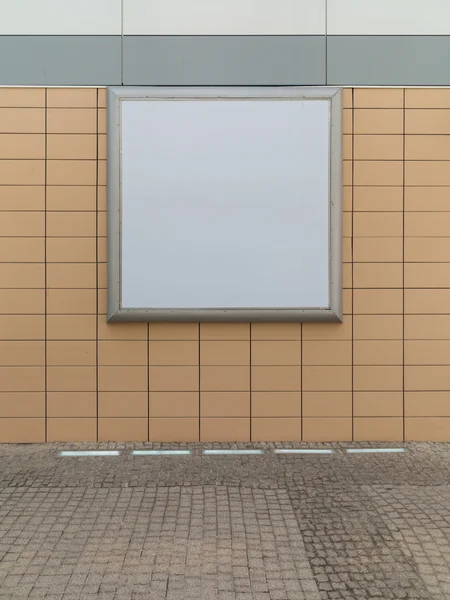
<point>225,42</point>
<point>225,17</point>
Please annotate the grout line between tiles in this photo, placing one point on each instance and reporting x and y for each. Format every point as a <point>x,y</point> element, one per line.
<point>45,277</point>
<point>353,263</point>
<point>96,273</point>
<point>403,263</point>
<point>199,371</point>
<point>250,377</point>
<point>301,381</point>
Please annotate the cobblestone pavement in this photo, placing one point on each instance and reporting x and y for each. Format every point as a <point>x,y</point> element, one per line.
<point>262,527</point>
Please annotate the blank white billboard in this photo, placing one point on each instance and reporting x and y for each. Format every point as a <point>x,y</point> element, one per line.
<point>224,204</point>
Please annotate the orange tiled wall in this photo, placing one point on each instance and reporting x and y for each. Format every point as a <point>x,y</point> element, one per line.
<point>384,374</point>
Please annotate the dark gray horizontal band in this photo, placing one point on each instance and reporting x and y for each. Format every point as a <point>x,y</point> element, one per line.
<point>225,60</point>
<point>388,60</point>
<point>60,59</point>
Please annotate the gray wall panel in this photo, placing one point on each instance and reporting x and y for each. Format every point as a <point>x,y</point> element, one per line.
<point>60,60</point>
<point>224,60</point>
<point>388,60</point>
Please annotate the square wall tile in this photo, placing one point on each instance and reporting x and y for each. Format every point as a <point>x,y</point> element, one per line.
<point>427,275</point>
<point>427,327</point>
<point>377,250</point>
<point>378,429</point>
<point>71,379</point>
<point>276,404</point>
<point>427,352</point>
<point>174,379</point>
<point>22,120</point>
<point>71,120</point>
<point>22,97</point>
<point>378,147</point>
<point>122,379</point>
<point>78,353</point>
<point>71,250</point>
<point>276,353</point>
<point>378,98</point>
<point>276,429</point>
<point>225,379</point>
<point>378,404</point>
<point>22,198</point>
<point>174,331</point>
<point>72,302</point>
<point>22,404</point>
<point>71,430</point>
<point>22,353</point>
<point>327,353</point>
<point>22,275</point>
<point>71,404</point>
<point>327,404</point>
<point>174,430</point>
<point>72,146</point>
<point>22,146</point>
<point>427,378</point>
<point>328,331</point>
<point>122,353</point>
<point>378,224</point>
<point>321,379</point>
<point>378,198</point>
<point>174,404</point>
<point>225,353</point>
<point>71,275</point>
<point>22,301</point>
<point>71,327</point>
<point>338,429</point>
<point>377,352</point>
<point>224,430</point>
<point>71,198</point>
<point>121,331</point>
<point>123,404</point>
<point>224,404</point>
<point>122,430</point>
<point>378,121</point>
<point>378,172</point>
<point>427,429</point>
<point>71,172</point>
<point>71,224</point>
<point>276,379</point>
<point>22,379</point>
<point>174,353</point>
<point>22,431</point>
<point>423,301</point>
<point>378,378</point>
<point>427,404</point>
<point>376,302</point>
<point>378,327</point>
<point>22,327</point>
<point>72,97</point>
<point>276,331</point>
<point>224,331</point>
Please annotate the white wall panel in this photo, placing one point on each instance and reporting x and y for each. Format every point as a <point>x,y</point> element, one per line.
<point>60,17</point>
<point>224,17</point>
<point>388,17</point>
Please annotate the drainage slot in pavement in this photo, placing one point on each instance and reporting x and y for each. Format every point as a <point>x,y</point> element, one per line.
<point>89,453</point>
<point>374,450</point>
<point>160,452</point>
<point>254,451</point>
<point>303,451</point>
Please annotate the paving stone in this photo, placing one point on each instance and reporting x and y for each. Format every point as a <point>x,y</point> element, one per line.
<point>268,527</point>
